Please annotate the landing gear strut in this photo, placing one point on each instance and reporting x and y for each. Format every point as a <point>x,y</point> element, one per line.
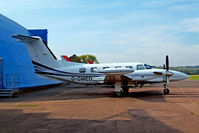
<point>125,88</point>
<point>118,91</point>
<point>166,90</point>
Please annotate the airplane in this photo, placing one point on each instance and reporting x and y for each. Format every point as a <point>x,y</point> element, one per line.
<point>89,62</point>
<point>65,58</point>
<point>119,74</point>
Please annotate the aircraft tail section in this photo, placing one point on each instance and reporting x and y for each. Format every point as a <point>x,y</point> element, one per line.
<point>90,62</point>
<point>65,58</point>
<point>38,51</point>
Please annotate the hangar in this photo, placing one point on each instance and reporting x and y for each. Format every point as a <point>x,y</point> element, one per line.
<point>16,68</point>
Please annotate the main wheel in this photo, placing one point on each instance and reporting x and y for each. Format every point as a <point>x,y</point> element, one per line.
<point>166,91</point>
<point>118,94</point>
<point>125,90</point>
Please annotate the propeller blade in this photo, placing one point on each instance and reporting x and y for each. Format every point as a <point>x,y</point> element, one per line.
<point>167,62</point>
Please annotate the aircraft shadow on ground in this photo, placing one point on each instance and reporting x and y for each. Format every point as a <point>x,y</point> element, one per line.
<point>93,93</point>
<point>132,120</point>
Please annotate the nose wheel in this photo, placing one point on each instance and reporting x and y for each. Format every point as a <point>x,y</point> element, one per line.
<point>166,90</point>
<point>118,94</point>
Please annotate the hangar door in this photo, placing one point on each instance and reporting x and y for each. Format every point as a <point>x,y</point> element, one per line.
<point>1,73</point>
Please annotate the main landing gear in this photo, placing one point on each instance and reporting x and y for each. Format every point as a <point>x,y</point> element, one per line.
<point>120,92</point>
<point>125,88</point>
<point>166,90</point>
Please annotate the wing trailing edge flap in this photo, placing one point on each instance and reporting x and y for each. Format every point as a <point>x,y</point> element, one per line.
<point>116,74</point>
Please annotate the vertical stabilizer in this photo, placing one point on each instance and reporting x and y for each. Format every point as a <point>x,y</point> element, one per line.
<point>38,51</point>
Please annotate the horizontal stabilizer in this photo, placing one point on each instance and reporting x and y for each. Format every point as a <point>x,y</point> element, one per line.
<point>24,38</point>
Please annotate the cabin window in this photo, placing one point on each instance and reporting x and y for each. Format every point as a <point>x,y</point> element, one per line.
<point>82,70</point>
<point>118,67</point>
<point>140,67</point>
<point>105,67</point>
<point>93,69</point>
<point>129,67</point>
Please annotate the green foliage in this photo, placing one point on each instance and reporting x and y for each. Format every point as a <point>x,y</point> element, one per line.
<point>74,58</point>
<point>26,105</point>
<point>194,77</point>
<point>84,58</point>
<point>190,70</point>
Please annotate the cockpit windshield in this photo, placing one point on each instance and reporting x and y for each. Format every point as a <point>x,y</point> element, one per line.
<point>148,66</point>
<point>140,67</point>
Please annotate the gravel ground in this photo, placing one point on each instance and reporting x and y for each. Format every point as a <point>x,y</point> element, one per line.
<point>90,109</point>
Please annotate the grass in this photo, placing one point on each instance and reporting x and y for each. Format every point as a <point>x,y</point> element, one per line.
<point>192,113</point>
<point>194,77</point>
<point>26,105</point>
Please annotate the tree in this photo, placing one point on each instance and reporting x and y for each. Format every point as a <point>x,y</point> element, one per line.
<point>83,58</point>
<point>74,58</point>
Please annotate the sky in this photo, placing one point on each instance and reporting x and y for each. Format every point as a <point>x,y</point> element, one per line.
<point>115,30</point>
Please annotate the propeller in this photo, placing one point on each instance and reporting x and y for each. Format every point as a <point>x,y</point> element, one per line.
<point>166,67</point>
<point>167,62</point>
<point>168,74</point>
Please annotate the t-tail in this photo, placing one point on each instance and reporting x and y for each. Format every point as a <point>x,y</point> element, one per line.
<point>39,53</point>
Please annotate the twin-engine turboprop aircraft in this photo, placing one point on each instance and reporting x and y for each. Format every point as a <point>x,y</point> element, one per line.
<point>119,74</point>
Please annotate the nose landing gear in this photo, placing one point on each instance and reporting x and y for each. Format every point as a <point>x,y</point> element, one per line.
<point>166,90</point>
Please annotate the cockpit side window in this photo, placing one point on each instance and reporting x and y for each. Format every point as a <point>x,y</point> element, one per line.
<point>140,67</point>
<point>105,67</point>
<point>129,67</point>
<point>148,66</point>
<point>93,69</point>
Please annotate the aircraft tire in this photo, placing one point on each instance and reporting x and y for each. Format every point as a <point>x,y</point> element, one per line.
<point>166,91</point>
<point>118,94</point>
<point>125,90</point>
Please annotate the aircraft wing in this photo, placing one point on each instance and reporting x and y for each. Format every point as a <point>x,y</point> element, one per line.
<point>116,74</point>
<point>115,71</point>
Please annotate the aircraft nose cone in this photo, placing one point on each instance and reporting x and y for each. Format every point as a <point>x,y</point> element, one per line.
<point>179,76</point>
<point>183,76</point>
<point>186,76</point>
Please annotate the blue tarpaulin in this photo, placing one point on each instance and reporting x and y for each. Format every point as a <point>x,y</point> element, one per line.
<point>43,33</point>
<point>15,56</point>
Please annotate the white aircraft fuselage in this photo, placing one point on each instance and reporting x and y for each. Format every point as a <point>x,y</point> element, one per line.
<point>105,73</point>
